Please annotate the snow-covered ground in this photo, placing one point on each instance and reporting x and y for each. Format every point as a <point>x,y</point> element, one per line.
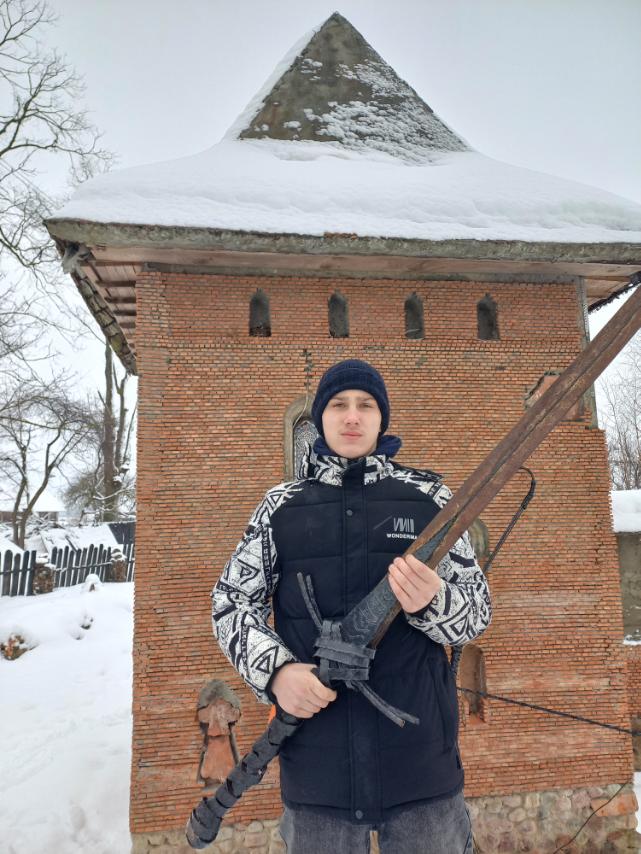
<point>65,707</point>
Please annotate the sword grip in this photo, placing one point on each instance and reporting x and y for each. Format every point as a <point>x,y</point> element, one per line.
<point>317,674</point>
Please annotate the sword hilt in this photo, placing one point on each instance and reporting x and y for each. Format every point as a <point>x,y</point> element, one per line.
<point>343,661</point>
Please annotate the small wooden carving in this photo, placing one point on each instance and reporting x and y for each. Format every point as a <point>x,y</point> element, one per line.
<point>218,711</point>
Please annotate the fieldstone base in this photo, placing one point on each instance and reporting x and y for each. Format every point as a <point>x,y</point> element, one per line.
<point>534,822</point>
<point>542,822</point>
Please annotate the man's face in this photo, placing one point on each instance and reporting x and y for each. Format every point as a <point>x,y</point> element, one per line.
<point>351,423</point>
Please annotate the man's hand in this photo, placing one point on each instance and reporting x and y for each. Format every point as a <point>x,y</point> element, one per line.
<point>299,692</point>
<point>413,583</point>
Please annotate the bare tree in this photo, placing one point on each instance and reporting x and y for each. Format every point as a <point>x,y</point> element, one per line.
<point>40,118</point>
<point>621,418</point>
<point>104,484</point>
<point>40,115</point>
<point>38,431</point>
<point>42,428</point>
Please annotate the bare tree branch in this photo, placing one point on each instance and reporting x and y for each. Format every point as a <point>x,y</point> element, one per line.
<point>38,432</point>
<point>621,418</point>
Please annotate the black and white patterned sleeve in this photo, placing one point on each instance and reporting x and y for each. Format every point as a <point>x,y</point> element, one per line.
<point>462,609</point>
<point>241,600</point>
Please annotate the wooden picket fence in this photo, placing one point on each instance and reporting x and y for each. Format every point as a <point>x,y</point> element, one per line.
<point>72,566</point>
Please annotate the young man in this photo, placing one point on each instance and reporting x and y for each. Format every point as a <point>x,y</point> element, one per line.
<point>349,769</point>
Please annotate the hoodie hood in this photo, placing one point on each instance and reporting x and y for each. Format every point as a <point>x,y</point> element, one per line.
<point>322,464</point>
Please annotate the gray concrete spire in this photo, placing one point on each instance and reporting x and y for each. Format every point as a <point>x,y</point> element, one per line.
<point>339,90</point>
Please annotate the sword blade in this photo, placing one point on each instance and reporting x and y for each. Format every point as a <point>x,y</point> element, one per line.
<point>368,621</point>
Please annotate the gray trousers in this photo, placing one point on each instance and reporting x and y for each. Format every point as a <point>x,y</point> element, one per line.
<point>441,827</point>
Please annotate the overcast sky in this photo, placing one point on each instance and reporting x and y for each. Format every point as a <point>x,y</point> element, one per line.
<point>552,85</point>
<point>548,85</point>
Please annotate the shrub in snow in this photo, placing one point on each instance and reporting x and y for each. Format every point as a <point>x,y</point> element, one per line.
<point>14,647</point>
<point>86,622</point>
<point>92,583</point>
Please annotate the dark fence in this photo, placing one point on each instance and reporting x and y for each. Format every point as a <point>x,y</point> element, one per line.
<point>124,532</point>
<point>71,566</point>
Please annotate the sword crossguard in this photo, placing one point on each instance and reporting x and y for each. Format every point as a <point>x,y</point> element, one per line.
<point>344,661</point>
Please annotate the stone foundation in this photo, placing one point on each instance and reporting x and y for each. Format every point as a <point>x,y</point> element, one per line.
<point>535,822</point>
<point>542,822</point>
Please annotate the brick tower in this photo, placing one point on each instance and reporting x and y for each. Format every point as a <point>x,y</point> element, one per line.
<point>340,217</point>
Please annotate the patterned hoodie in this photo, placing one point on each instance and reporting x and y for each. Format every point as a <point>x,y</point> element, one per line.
<point>241,598</point>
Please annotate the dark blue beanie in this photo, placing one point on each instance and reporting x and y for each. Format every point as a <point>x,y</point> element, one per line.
<point>352,373</point>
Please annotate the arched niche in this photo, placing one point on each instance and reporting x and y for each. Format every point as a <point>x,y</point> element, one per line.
<point>299,432</point>
<point>487,315</point>
<point>338,316</point>
<point>260,325</point>
<point>414,317</point>
<point>472,678</point>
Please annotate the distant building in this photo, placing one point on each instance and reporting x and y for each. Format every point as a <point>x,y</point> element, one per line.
<point>48,508</point>
<point>342,217</point>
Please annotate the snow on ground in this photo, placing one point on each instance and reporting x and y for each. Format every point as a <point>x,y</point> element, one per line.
<point>308,187</point>
<point>65,707</point>
<point>626,510</point>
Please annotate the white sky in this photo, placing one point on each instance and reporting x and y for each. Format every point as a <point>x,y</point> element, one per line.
<point>548,85</point>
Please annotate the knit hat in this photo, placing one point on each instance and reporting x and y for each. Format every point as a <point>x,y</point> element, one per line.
<point>352,373</point>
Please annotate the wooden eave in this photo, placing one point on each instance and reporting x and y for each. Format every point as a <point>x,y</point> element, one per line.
<point>106,258</point>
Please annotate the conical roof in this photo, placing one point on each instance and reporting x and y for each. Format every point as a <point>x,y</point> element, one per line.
<point>335,143</point>
<point>337,89</point>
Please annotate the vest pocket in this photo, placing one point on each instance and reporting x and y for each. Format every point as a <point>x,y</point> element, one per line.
<point>445,690</point>
<point>414,691</point>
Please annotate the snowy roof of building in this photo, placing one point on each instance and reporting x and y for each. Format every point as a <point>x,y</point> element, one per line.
<point>75,537</point>
<point>338,167</point>
<point>626,510</point>
<point>336,142</point>
<point>48,502</point>
<point>315,188</point>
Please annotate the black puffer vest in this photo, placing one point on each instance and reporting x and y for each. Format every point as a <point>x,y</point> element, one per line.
<point>343,528</point>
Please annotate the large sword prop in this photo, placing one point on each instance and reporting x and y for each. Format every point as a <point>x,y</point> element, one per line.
<point>346,647</point>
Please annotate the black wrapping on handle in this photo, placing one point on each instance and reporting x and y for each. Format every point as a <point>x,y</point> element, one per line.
<point>204,822</point>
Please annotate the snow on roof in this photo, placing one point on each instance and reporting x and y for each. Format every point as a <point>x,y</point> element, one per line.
<point>7,545</point>
<point>336,142</point>
<point>313,188</point>
<point>48,502</point>
<point>626,510</point>
<point>76,537</point>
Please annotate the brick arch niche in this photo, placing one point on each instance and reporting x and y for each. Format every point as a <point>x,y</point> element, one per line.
<point>299,432</point>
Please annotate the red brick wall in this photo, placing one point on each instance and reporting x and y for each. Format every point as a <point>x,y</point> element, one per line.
<point>212,401</point>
